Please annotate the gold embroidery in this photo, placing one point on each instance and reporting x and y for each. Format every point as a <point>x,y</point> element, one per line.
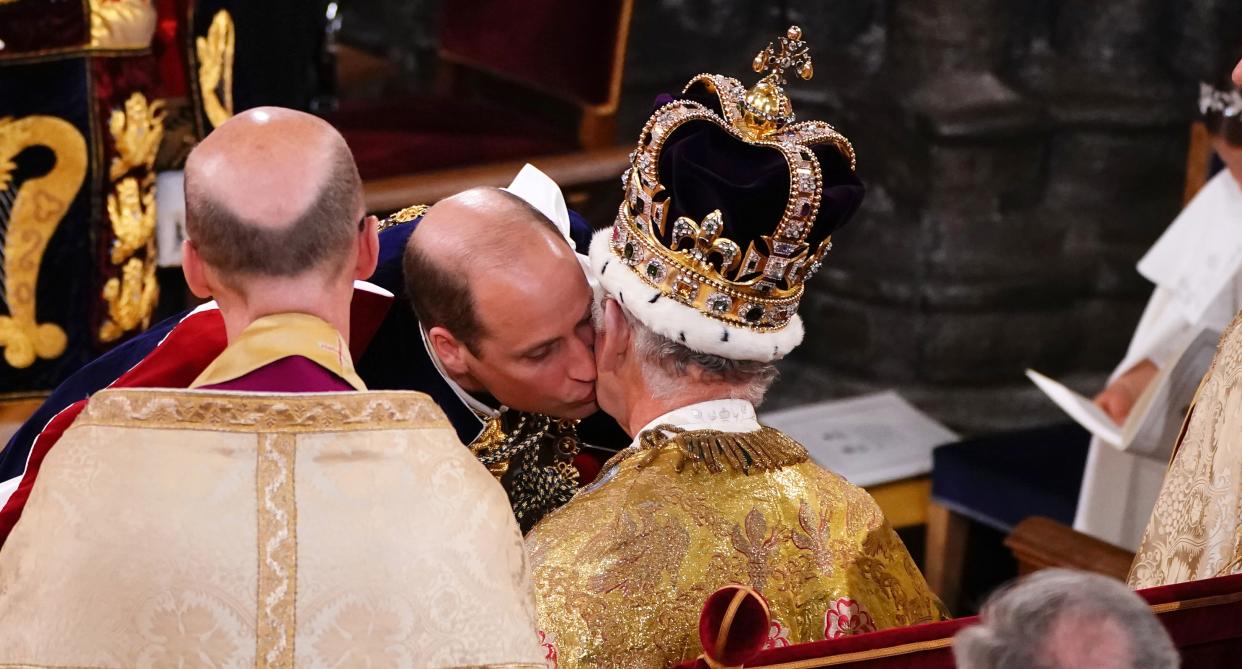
<point>762,449</point>
<point>1193,530</point>
<point>37,210</point>
<point>404,216</point>
<point>122,24</point>
<point>277,551</point>
<point>215,68</point>
<point>231,412</point>
<point>137,129</point>
<point>622,571</point>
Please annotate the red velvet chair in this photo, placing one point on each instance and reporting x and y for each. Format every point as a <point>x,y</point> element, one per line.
<point>518,79</point>
<point>1204,618</point>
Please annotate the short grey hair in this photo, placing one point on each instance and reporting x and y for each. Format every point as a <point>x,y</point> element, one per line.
<point>1033,624</point>
<point>666,363</point>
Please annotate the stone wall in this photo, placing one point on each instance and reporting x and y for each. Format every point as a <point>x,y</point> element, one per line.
<point>1020,157</point>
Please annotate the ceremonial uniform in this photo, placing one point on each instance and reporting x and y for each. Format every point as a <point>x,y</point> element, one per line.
<point>728,210</point>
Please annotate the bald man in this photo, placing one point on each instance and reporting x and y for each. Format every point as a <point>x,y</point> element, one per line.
<point>277,235</point>
<point>505,313</point>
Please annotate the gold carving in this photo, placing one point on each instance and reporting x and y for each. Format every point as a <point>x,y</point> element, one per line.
<point>40,204</point>
<point>137,130</point>
<point>122,24</point>
<point>215,68</point>
<point>131,297</point>
<point>132,212</point>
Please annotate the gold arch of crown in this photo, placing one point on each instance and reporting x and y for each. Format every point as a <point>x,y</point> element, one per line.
<point>759,289</point>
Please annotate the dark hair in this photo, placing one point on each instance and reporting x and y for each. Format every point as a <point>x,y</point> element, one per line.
<point>321,234</point>
<point>438,288</point>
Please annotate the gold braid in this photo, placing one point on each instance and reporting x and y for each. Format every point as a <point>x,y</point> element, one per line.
<point>764,449</point>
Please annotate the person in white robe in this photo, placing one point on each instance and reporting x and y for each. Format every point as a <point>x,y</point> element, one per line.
<point>1196,266</point>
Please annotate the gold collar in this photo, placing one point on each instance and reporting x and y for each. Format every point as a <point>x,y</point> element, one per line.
<point>277,336</point>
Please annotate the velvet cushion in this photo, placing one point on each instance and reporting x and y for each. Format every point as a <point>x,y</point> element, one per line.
<point>1204,619</point>
<point>408,135</point>
<point>565,47</point>
<point>1001,479</point>
<point>704,168</point>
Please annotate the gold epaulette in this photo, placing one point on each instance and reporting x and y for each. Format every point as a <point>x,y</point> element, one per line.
<point>763,449</point>
<point>404,216</point>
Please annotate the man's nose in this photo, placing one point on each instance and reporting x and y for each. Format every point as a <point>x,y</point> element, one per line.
<point>581,361</point>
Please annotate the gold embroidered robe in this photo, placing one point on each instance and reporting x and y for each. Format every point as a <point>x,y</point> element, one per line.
<point>622,571</point>
<point>202,528</point>
<point>1195,531</point>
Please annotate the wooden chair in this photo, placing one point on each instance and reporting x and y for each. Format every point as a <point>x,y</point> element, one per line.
<point>518,81</point>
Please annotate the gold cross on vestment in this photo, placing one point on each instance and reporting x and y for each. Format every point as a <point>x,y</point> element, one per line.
<point>789,52</point>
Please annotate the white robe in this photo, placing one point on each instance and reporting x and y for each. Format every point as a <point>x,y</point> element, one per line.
<point>1197,268</point>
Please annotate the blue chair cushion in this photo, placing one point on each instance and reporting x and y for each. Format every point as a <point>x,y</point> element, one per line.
<point>1003,478</point>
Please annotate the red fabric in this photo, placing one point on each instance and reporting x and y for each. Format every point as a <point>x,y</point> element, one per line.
<point>562,46</point>
<point>588,466</point>
<point>1207,636</point>
<point>408,135</point>
<point>168,47</point>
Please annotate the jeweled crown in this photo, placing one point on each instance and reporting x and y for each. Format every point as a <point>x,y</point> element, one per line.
<point>693,261</point>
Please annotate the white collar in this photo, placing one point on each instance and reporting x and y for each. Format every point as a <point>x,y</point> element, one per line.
<point>480,409</point>
<point>730,415</point>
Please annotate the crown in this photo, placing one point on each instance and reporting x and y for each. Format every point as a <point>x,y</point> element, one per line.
<point>694,262</point>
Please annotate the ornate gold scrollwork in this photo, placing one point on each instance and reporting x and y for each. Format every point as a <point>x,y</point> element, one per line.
<point>215,68</point>
<point>38,207</point>
<point>137,130</point>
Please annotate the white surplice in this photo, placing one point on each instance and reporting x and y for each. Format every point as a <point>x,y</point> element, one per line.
<point>1196,266</point>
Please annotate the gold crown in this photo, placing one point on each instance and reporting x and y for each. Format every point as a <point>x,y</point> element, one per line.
<point>759,289</point>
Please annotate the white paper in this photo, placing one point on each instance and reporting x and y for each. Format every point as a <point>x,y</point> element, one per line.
<point>869,440</point>
<point>1081,409</point>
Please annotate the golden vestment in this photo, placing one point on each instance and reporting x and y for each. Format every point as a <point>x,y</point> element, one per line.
<point>622,571</point>
<point>200,528</point>
<point>1195,531</point>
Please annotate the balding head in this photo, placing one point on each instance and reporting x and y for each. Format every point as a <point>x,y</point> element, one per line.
<point>466,238</point>
<point>272,193</point>
<point>1061,619</point>
<point>504,303</point>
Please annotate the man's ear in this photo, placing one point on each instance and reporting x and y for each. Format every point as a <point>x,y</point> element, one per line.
<point>451,352</point>
<point>614,343</point>
<point>196,272</point>
<point>368,249</point>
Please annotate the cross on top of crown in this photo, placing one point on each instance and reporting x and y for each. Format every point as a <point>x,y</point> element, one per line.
<point>789,52</point>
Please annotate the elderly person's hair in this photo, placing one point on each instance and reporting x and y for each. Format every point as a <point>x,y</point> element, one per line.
<point>439,288</point>
<point>1062,619</point>
<point>319,238</point>
<point>666,364</point>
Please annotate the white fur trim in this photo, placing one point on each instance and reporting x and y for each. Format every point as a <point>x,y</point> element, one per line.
<point>680,323</point>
